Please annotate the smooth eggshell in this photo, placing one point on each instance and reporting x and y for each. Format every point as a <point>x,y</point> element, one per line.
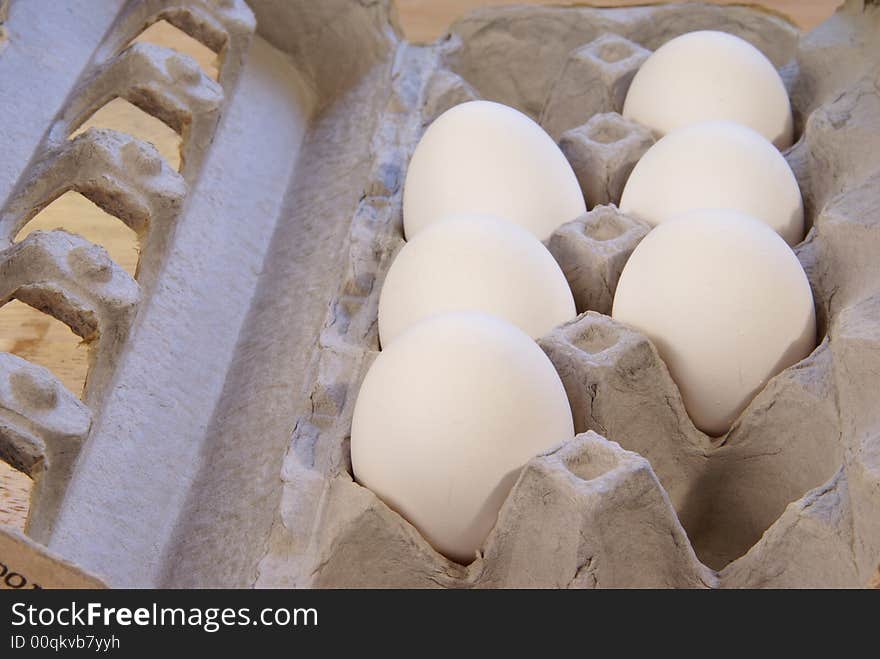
<point>725,302</point>
<point>475,263</point>
<point>446,417</point>
<point>716,164</point>
<point>709,75</point>
<point>487,158</point>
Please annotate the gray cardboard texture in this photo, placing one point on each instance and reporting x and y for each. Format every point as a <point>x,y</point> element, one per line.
<point>211,445</point>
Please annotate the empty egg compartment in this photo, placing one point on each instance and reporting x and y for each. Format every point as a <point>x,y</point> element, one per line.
<point>215,446</point>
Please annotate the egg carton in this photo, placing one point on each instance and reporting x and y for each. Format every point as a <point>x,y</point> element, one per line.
<point>211,447</point>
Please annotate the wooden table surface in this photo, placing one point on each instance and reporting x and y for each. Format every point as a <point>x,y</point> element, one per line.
<point>45,341</point>
<point>425,20</point>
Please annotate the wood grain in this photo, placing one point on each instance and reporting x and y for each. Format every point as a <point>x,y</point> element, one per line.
<point>425,20</point>
<point>45,341</point>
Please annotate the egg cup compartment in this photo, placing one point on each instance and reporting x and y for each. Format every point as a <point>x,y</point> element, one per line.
<point>215,439</point>
<point>726,490</point>
<point>595,513</point>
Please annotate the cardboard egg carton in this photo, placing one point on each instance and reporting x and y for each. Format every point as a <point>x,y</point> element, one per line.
<point>212,444</point>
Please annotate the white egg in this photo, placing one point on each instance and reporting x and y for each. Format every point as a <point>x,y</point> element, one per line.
<point>487,158</point>
<point>708,75</point>
<point>716,164</point>
<point>475,263</point>
<point>445,419</point>
<point>725,302</point>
